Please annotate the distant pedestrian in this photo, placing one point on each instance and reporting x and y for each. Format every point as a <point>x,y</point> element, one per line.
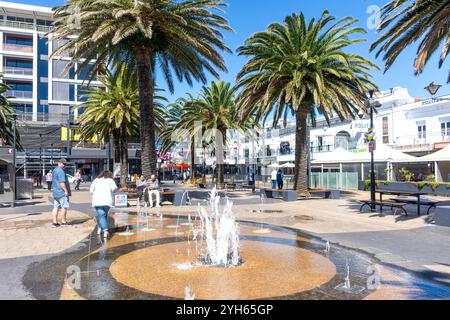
<point>49,179</point>
<point>280,179</point>
<point>274,178</point>
<point>61,194</point>
<point>102,190</point>
<point>78,179</point>
<point>251,179</point>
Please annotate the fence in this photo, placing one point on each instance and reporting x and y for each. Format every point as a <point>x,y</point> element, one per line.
<point>335,180</point>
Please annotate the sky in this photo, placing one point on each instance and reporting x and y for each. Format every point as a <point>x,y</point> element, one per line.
<point>249,16</point>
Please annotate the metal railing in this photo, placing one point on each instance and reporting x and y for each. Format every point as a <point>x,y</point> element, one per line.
<point>18,71</point>
<point>19,94</point>
<point>25,25</point>
<point>17,47</point>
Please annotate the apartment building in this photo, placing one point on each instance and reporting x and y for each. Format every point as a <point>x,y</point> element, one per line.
<point>41,93</point>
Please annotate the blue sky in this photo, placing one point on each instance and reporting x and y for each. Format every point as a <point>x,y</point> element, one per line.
<point>249,16</point>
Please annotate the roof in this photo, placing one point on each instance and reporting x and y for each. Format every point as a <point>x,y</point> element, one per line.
<point>19,8</point>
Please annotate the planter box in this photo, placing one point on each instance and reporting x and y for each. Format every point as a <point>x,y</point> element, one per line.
<point>442,216</point>
<point>442,190</point>
<point>361,185</point>
<point>398,186</point>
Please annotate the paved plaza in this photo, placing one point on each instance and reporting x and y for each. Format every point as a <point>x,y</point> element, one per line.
<point>34,257</point>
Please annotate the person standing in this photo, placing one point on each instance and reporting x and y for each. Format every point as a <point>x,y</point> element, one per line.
<point>251,179</point>
<point>61,194</point>
<point>153,190</point>
<point>102,190</point>
<point>280,179</point>
<point>274,179</point>
<point>78,178</point>
<point>48,179</point>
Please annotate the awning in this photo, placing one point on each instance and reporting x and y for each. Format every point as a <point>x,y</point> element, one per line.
<point>383,153</point>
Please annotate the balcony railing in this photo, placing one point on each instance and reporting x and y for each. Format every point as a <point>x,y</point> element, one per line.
<point>18,48</point>
<point>18,71</point>
<point>19,94</point>
<point>24,25</point>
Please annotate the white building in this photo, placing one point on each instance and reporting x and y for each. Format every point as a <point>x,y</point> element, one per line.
<point>405,124</point>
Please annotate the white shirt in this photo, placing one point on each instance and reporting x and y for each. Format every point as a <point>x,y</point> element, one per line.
<point>102,192</point>
<point>274,175</point>
<point>49,177</point>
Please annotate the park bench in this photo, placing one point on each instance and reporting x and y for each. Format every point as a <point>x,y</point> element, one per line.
<point>424,202</point>
<point>390,204</point>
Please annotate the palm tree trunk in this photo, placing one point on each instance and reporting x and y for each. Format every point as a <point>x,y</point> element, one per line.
<point>220,160</point>
<point>143,58</point>
<point>301,149</point>
<point>192,178</point>
<point>123,162</point>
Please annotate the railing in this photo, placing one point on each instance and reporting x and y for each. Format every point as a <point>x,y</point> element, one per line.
<point>25,25</point>
<point>17,48</point>
<point>19,94</point>
<point>18,71</point>
<point>54,118</point>
<point>335,180</point>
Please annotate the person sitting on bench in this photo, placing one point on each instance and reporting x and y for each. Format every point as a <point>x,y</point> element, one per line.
<point>153,190</point>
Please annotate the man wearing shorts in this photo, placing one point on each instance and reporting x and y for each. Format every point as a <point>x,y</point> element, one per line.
<point>61,194</point>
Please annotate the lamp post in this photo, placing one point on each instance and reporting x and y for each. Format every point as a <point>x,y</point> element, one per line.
<point>41,166</point>
<point>372,158</point>
<point>433,89</point>
<point>13,204</point>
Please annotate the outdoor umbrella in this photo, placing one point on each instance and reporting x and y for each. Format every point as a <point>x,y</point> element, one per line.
<point>288,165</point>
<point>274,165</point>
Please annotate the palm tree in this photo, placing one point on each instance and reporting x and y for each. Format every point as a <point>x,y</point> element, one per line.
<point>304,68</point>
<point>180,38</point>
<point>218,112</point>
<point>113,111</point>
<point>407,21</point>
<point>6,118</point>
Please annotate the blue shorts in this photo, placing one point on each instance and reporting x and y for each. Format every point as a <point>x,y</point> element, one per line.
<point>61,203</point>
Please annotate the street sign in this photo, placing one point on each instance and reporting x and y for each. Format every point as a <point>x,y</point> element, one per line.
<point>372,146</point>
<point>120,200</point>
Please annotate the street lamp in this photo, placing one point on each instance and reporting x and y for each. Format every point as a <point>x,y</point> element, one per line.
<point>14,159</point>
<point>372,106</point>
<point>433,89</point>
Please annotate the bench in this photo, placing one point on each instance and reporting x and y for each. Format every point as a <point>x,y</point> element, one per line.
<point>424,202</point>
<point>328,193</point>
<point>285,195</point>
<point>390,204</point>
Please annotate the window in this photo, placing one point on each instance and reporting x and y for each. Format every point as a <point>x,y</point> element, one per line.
<point>445,129</point>
<point>19,19</point>
<point>385,130</point>
<point>422,131</point>
<point>22,41</point>
<point>16,63</point>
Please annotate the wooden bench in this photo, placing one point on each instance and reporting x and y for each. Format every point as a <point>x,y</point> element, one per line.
<point>423,202</point>
<point>390,204</point>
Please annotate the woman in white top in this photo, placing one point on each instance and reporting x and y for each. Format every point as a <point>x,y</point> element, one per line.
<point>102,190</point>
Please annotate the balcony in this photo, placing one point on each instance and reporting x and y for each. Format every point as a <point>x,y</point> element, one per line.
<point>18,71</point>
<point>19,94</point>
<point>17,48</point>
<point>25,25</point>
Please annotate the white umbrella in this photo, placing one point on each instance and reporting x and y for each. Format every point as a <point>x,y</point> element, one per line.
<point>288,165</point>
<point>274,165</point>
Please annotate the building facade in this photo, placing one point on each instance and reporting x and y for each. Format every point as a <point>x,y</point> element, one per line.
<point>42,94</point>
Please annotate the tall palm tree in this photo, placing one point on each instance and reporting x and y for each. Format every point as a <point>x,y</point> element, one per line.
<point>407,21</point>
<point>182,39</point>
<point>113,111</point>
<point>304,68</point>
<point>218,112</point>
<point>6,118</point>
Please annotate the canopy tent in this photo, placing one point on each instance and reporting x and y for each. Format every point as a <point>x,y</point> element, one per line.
<point>383,153</point>
<point>440,156</point>
<point>274,165</point>
<point>288,165</point>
